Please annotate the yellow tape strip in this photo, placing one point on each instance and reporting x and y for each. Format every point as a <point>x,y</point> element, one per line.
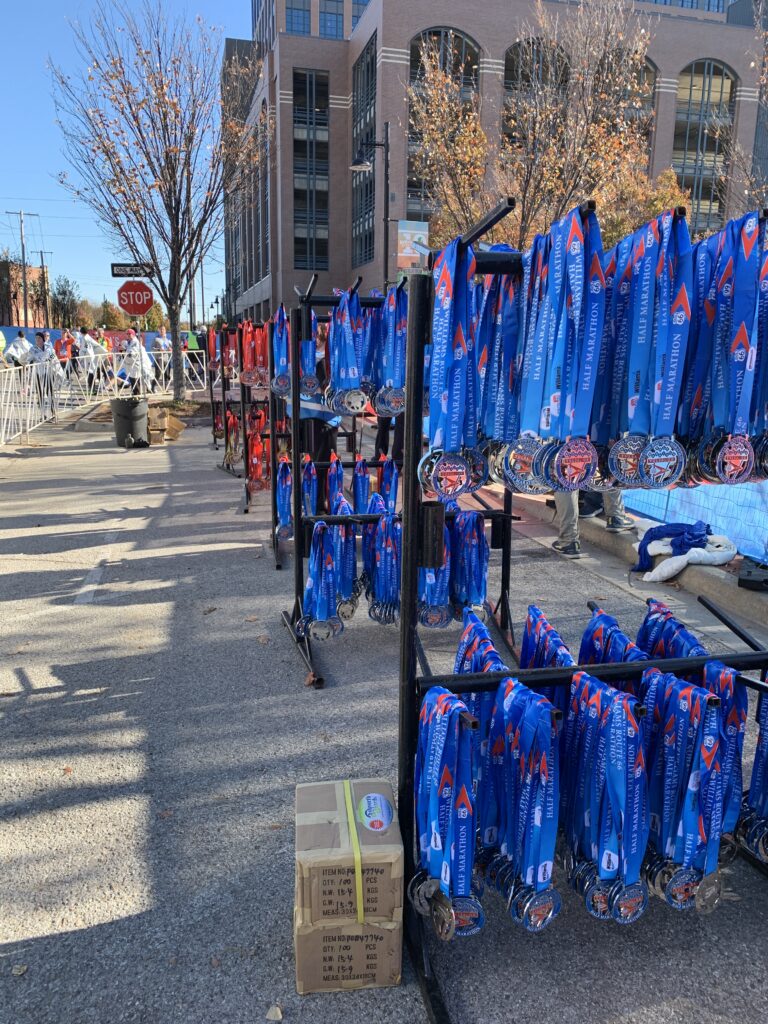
<point>355,852</point>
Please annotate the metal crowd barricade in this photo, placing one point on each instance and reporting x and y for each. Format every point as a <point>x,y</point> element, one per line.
<point>37,393</point>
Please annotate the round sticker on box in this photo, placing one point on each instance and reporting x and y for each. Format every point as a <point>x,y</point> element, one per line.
<point>375,812</point>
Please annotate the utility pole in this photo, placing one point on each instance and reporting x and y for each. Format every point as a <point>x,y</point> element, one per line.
<point>20,215</point>
<point>46,289</point>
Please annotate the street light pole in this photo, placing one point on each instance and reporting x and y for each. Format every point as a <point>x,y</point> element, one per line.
<point>386,203</point>
<point>362,163</point>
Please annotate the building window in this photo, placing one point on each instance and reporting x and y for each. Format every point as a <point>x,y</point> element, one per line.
<point>713,6</point>
<point>332,19</point>
<point>364,131</point>
<point>358,6</point>
<point>297,17</point>
<point>310,170</point>
<point>706,98</point>
<point>459,55</point>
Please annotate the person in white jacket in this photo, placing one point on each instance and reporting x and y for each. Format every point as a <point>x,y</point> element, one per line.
<point>48,371</point>
<point>94,357</point>
<point>17,353</point>
<point>137,364</point>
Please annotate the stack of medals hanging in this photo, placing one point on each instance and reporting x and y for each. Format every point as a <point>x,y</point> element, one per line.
<point>385,606</point>
<point>453,458</point>
<point>390,398</point>
<point>284,528</point>
<point>309,382</point>
<point>345,555</point>
<point>469,564</point>
<point>281,382</point>
<point>320,620</point>
<point>344,394</point>
<point>445,818</point>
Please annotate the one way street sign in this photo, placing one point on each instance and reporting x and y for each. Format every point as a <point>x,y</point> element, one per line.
<point>131,269</point>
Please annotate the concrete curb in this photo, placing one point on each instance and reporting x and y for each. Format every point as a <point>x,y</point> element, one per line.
<point>708,581</point>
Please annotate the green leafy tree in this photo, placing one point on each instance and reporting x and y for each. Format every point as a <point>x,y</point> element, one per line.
<point>65,302</point>
<point>156,318</point>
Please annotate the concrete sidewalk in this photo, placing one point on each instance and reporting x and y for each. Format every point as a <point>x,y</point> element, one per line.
<point>154,723</point>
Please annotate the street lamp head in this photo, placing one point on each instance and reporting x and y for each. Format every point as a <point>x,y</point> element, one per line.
<point>361,162</point>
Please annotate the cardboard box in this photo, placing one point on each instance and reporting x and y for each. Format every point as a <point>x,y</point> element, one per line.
<point>334,949</point>
<point>325,864</point>
<point>333,958</point>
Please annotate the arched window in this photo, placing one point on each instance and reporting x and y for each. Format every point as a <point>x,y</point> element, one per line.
<point>458,55</point>
<point>532,63</point>
<point>706,99</point>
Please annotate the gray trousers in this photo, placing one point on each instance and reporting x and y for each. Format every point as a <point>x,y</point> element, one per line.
<point>567,506</point>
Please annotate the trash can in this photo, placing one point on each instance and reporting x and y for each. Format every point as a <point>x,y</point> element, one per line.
<point>130,417</point>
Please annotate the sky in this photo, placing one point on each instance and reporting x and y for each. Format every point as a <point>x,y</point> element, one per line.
<point>32,32</point>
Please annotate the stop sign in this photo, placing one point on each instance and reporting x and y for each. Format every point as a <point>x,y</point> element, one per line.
<point>135,298</point>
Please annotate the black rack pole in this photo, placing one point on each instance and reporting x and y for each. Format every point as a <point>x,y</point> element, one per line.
<point>419,315</point>
<point>243,421</point>
<point>482,682</point>
<point>272,405</point>
<point>224,421</point>
<point>211,375</point>
<point>298,530</point>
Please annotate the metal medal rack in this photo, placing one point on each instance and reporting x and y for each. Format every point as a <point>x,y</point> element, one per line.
<point>247,400</point>
<point>422,524</point>
<point>225,375</point>
<point>301,327</point>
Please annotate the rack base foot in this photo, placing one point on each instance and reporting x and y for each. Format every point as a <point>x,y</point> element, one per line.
<point>313,679</point>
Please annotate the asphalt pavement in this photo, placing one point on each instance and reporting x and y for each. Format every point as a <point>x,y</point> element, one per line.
<point>154,724</point>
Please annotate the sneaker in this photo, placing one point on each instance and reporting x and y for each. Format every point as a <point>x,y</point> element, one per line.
<point>568,548</point>
<point>617,524</point>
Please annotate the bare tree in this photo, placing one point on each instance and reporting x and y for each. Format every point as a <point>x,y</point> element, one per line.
<point>65,299</point>
<point>157,130</point>
<point>577,121</point>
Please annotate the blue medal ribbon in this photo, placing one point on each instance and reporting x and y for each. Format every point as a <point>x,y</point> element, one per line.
<point>309,488</point>
<point>361,486</point>
<point>280,342</point>
<point>284,491</point>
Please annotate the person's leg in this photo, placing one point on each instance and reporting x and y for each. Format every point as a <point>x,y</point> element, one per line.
<point>567,506</point>
<point>616,518</point>
<point>381,444</point>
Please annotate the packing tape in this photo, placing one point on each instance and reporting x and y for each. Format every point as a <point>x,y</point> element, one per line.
<point>355,851</point>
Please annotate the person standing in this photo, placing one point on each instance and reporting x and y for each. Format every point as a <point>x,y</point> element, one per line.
<point>137,364</point>
<point>17,353</point>
<point>568,541</point>
<point>47,370</point>
<point>161,348</point>
<point>63,348</point>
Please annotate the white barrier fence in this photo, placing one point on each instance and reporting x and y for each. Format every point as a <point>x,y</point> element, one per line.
<point>36,393</point>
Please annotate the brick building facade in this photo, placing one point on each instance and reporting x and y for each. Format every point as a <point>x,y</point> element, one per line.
<point>335,71</point>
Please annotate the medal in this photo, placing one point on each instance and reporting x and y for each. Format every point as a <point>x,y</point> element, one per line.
<point>284,531</point>
<point>443,918</point>
<point>662,462</point>
<point>596,898</point>
<point>518,902</point>
<point>381,402</point>
<point>541,910</point>
<point>517,466</point>
<point>281,385</point>
<point>309,384</point>
<point>354,401</point>
<point>469,916</point>
<point>346,609</point>
<point>624,459</point>
<point>451,475</point>
<point>302,625</point>
<point>628,902</point>
<point>426,466</point>
<point>320,629</point>
<point>478,469</point>
<point>680,890</point>
<point>574,464</point>
<point>734,460</point>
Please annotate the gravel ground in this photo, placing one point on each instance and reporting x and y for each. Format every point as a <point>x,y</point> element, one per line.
<point>153,725</point>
